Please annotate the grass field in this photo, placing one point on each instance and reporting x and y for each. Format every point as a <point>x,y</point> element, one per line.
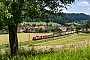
<point>81,53</point>
<point>69,39</point>
<point>41,23</point>
<point>72,53</point>
<point>22,37</point>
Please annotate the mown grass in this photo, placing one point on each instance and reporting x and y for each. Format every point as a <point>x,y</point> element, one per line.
<point>69,39</point>
<point>43,40</point>
<point>22,37</point>
<point>25,42</point>
<point>42,23</point>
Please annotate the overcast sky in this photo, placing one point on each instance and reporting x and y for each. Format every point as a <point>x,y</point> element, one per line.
<point>81,6</point>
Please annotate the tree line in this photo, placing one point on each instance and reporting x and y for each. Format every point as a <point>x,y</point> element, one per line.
<point>66,18</point>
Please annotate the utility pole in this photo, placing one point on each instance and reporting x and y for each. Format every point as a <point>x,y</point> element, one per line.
<point>29,34</point>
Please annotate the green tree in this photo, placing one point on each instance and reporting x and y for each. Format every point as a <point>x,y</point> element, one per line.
<point>47,21</point>
<point>87,25</point>
<point>13,12</point>
<point>78,28</point>
<point>33,25</point>
<point>41,30</point>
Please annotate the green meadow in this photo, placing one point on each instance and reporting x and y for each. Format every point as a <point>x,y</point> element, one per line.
<point>75,47</point>
<point>42,23</point>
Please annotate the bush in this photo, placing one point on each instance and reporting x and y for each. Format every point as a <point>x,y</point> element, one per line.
<point>87,32</point>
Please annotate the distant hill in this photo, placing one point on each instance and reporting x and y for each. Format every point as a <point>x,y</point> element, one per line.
<point>60,20</point>
<point>80,18</point>
<point>77,17</point>
<point>67,18</point>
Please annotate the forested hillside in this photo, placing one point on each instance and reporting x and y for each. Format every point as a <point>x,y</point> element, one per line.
<point>67,17</point>
<point>77,16</point>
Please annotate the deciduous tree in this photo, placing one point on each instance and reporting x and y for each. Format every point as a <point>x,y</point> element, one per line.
<point>13,12</point>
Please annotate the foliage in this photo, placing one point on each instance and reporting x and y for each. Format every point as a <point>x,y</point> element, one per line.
<point>41,30</point>
<point>81,53</point>
<point>33,25</point>
<point>71,17</point>
<point>78,17</point>
<point>68,17</point>
<point>87,24</point>
<point>15,11</point>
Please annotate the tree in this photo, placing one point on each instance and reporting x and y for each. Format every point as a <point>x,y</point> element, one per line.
<point>14,12</point>
<point>41,30</point>
<point>1,16</point>
<point>33,25</point>
<point>87,25</point>
<point>47,21</point>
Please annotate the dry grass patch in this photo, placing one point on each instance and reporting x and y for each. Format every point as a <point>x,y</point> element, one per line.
<point>22,37</point>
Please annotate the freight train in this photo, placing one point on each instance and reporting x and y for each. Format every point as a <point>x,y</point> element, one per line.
<point>51,35</point>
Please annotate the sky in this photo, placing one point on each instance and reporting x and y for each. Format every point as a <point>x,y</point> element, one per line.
<point>80,6</point>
